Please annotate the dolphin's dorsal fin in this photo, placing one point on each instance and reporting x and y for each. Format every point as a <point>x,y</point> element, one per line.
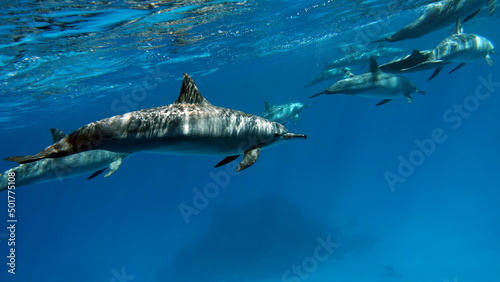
<point>458,27</point>
<point>374,65</point>
<point>190,93</point>
<point>267,105</point>
<point>57,134</point>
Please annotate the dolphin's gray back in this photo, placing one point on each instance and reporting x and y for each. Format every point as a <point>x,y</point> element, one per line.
<point>459,45</point>
<point>178,129</point>
<point>372,82</point>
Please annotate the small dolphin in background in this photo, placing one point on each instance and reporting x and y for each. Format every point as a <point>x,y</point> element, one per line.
<point>330,74</point>
<point>458,48</point>
<point>374,84</point>
<point>95,162</point>
<point>440,15</point>
<point>191,126</point>
<point>363,57</point>
<point>283,113</point>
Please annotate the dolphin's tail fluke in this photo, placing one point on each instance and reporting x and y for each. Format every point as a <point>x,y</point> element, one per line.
<point>50,152</point>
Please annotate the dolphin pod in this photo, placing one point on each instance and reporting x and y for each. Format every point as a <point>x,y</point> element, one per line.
<point>193,126</point>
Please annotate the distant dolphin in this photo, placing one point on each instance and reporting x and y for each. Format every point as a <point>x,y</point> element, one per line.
<point>363,57</point>
<point>458,48</point>
<point>283,113</point>
<point>440,15</point>
<point>374,84</point>
<point>95,162</point>
<point>329,74</point>
<point>191,125</point>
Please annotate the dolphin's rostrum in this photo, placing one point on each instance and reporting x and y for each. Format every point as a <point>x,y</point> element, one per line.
<point>191,125</point>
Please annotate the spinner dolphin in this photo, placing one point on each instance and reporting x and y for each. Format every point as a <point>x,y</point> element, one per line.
<point>190,126</point>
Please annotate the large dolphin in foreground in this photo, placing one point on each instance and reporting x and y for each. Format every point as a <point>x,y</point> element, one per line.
<point>442,14</point>
<point>95,162</point>
<point>374,84</point>
<point>191,125</point>
<point>458,48</point>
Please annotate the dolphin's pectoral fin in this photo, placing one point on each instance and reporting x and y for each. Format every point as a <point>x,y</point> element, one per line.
<point>475,13</point>
<point>489,60</point>
<point>385,101</point>
<point>492,5</point>
<point>227,160</point>
<point>250,157</point>
<point>347,72</point>
<point>436,72</point>
<point>96,173</point>
<point>457,67</point>
<point>113,167</point>
<point>408,97</point>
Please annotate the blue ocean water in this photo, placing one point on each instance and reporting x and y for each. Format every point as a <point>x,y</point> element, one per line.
<point>400,192</point>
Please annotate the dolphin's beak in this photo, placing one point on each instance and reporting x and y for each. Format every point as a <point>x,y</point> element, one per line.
<point>289,135</point>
